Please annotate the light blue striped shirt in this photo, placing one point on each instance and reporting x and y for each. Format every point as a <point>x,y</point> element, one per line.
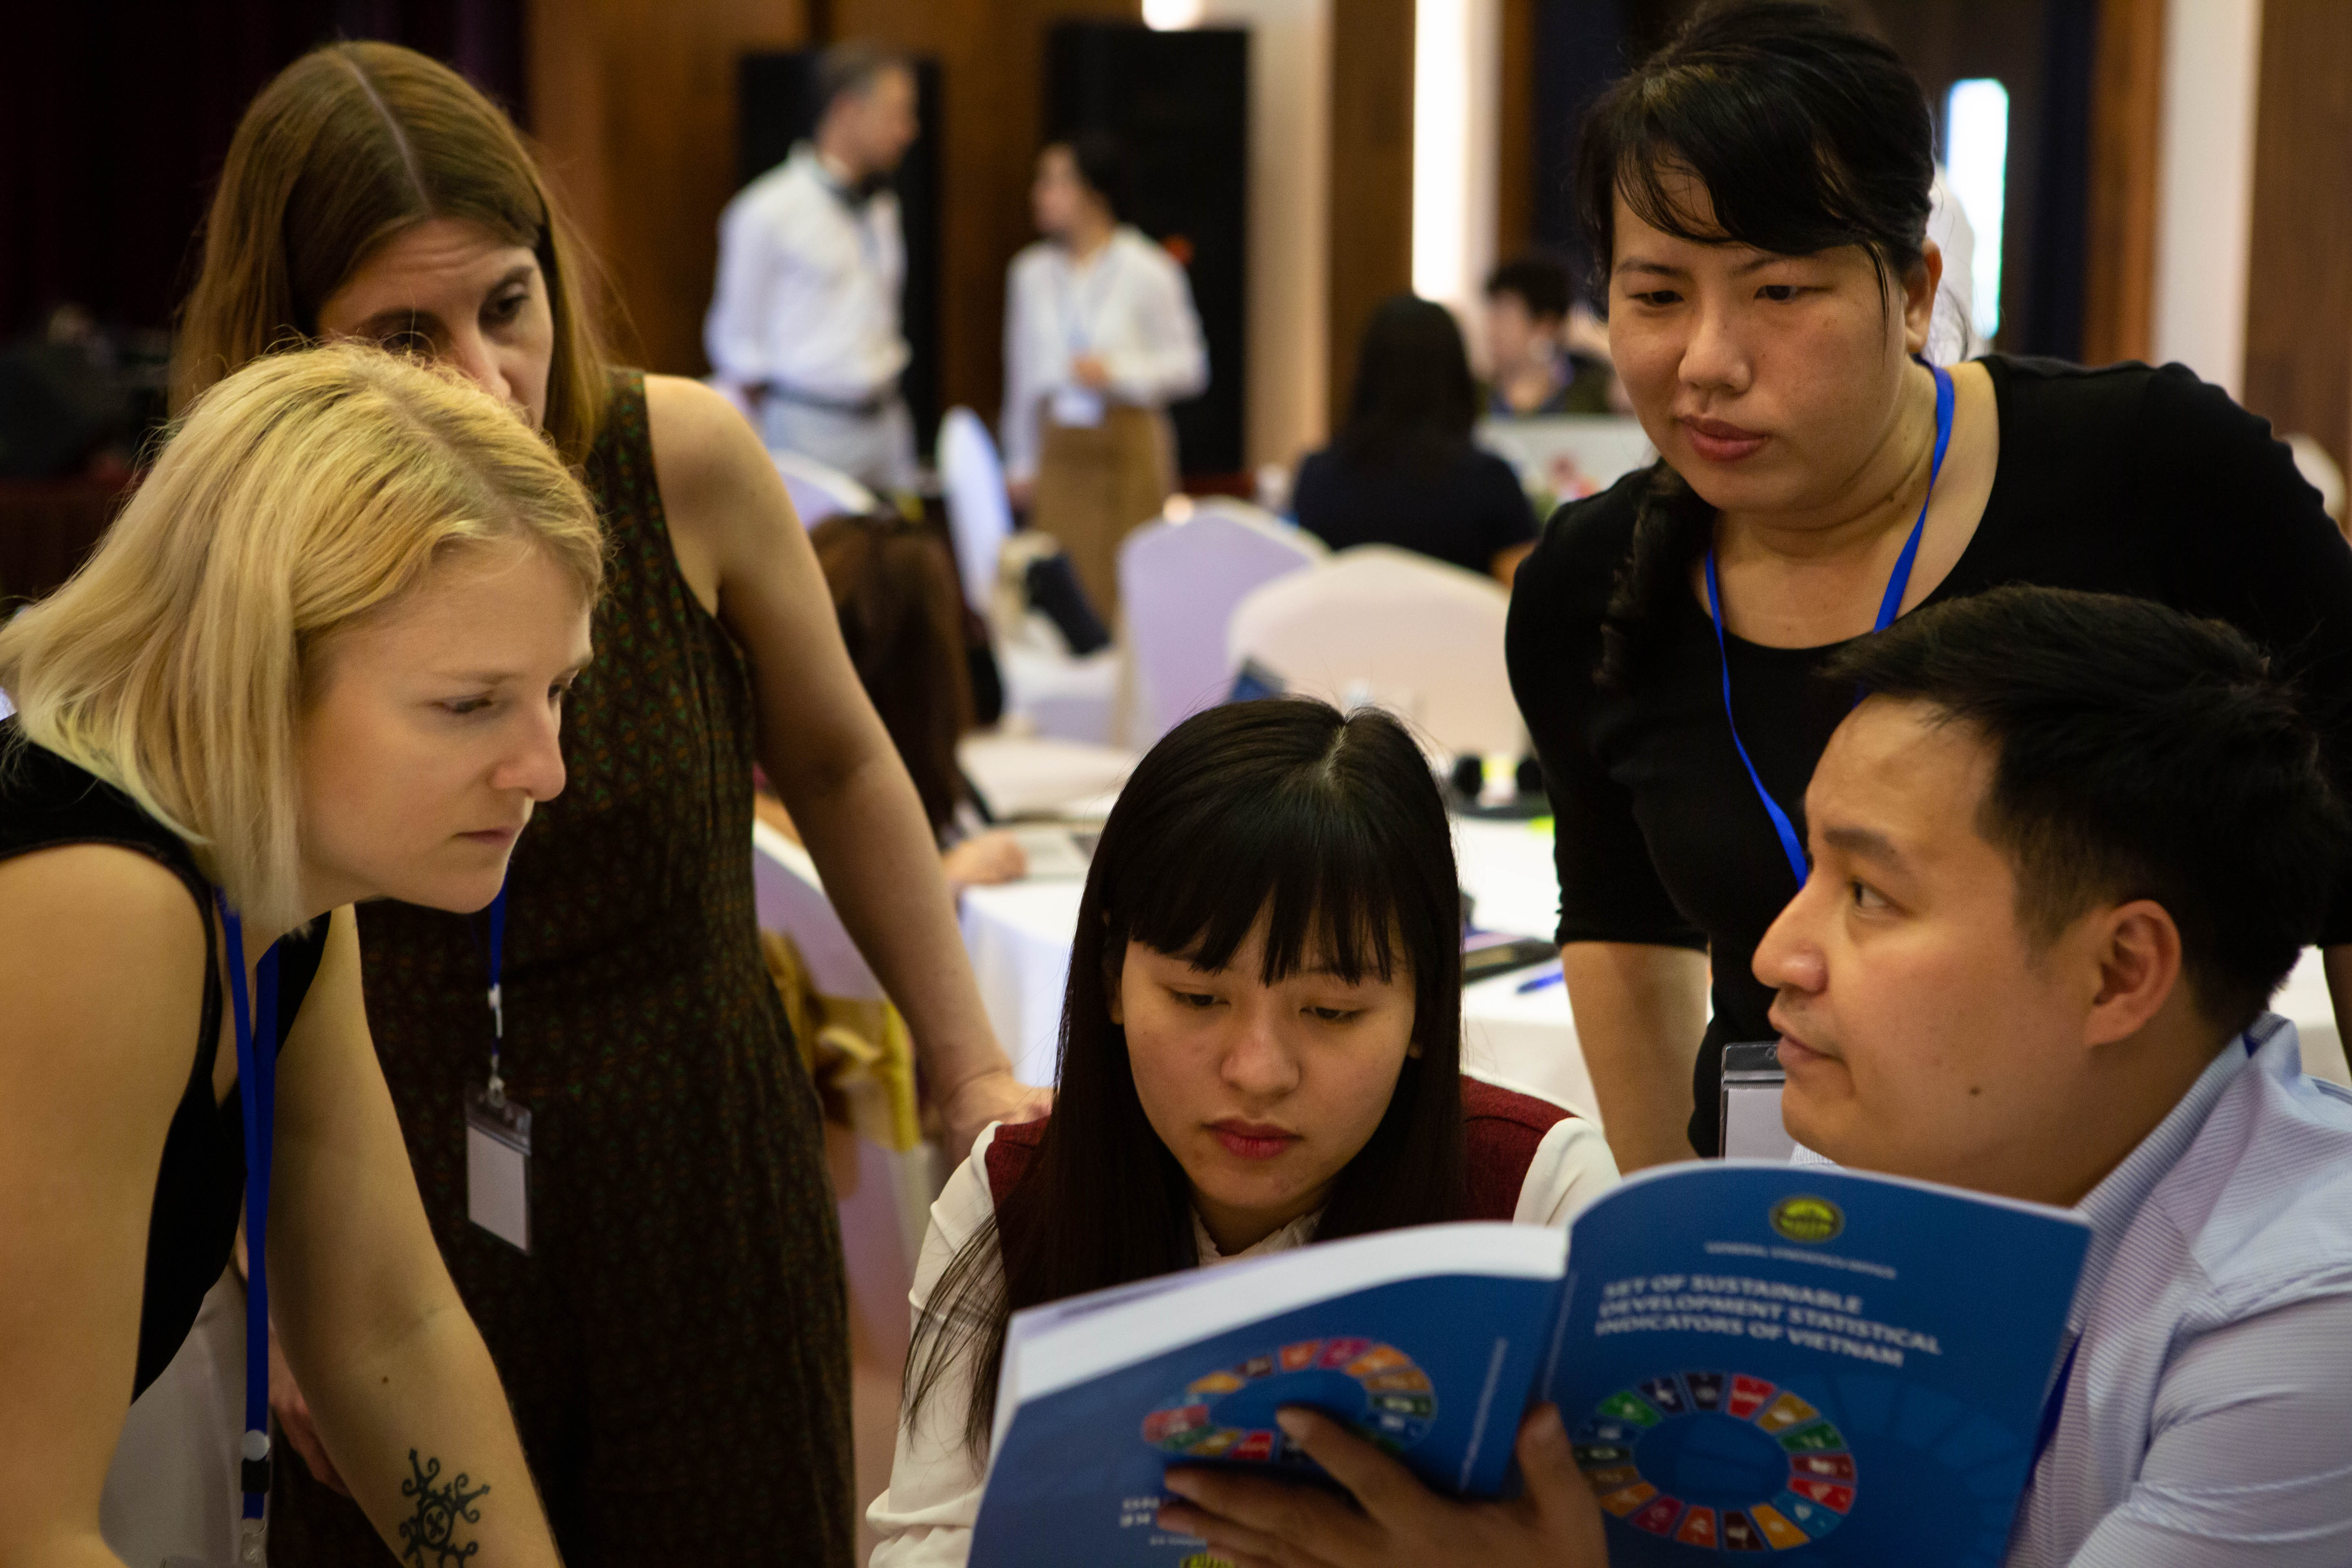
<point>2208,1417</point>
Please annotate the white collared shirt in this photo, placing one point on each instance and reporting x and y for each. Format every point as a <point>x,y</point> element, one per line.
<point>2208,1417</point>
<point>926,1517</point>
<point>808,288</point>
<point>1128,304</point>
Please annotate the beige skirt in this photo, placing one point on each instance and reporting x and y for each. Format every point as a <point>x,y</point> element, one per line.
<point>1095,483</point>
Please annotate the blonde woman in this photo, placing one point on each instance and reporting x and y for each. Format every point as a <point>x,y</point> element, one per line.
<point>321,658</point>
<point>676,1338</point>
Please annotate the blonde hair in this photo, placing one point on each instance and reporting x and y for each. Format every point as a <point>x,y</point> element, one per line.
<point>346,147</point>
<point>296,495</point>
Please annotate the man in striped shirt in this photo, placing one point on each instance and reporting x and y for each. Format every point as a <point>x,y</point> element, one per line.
<point>2063,852</point>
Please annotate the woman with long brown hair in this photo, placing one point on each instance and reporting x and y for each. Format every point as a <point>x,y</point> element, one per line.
<point>653,1258</point>
<point>894,586</point>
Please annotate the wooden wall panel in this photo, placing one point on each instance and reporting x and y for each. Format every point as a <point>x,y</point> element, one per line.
<point>633,103</point>
<point>1514,162</point>
<point>2127,128</point>
<point>1371,172</point>
<point>2299,276</point>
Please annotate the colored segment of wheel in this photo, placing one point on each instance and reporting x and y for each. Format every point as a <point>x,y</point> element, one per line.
<point>1229,1413</point>
<point>1818,1493</point>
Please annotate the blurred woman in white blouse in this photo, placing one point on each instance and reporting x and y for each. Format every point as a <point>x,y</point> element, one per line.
<point>1099,337</point>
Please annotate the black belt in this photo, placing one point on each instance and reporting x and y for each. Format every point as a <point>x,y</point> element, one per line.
<point>870,407</point>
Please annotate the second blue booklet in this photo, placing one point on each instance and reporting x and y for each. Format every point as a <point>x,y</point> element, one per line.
<point>1846,1368</point>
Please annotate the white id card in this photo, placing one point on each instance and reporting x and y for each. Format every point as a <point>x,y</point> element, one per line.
<point>1078,408</point>
<point>1752,1078</point>
<point>498,1166</point>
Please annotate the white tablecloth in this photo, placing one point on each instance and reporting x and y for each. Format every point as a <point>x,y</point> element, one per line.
<point>1019,936</point>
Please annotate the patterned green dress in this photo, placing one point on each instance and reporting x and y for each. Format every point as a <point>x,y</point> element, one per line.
<point>675,1345</point>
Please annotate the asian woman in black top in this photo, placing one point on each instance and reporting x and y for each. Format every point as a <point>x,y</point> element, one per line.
<point>1759,193</point>
<point>1404,471</point>
<point>319,659</point>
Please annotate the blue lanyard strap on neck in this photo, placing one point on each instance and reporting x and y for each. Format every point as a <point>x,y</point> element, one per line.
<point>497,1087</point>
<point>1889,606</point>
<point>256,1081</point>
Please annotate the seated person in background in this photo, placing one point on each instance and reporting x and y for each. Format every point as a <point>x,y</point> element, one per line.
<point>1532,370</point>
<point>2063,853</point>
<point>1402,470</point>
<point>1262,1048</point>
<point>902,620</point>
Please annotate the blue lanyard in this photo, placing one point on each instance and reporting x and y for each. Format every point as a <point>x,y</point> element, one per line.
<point>497,1087</point>
<point>1888,607</point>
<point>2053,1406</point>
<point>256,1086</point>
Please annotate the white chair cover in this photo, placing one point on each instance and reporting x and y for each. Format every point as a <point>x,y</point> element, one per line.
<point>1382,625</point>
<point>884,1197</point>
<point>980,515</point>
<point>789,896</point>
<point>1051,692</point>
<point>820,492</point>
<point>1178,585</point>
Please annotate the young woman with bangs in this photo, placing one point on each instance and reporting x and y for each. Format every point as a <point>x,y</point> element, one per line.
<point>676,1338</point>
<point>1757,194</point>
<point>319,658</point>
<point>1261,1049</point>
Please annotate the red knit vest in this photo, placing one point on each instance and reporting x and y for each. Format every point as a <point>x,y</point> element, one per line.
<point>1500,1128</point>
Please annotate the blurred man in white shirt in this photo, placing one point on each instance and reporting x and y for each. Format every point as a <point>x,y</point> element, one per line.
<point>805,322</point>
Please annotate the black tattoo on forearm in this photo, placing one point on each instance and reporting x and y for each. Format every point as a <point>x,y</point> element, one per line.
<point>429,1536</point>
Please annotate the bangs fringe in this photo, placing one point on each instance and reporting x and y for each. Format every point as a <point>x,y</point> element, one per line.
<point>1324,888</point>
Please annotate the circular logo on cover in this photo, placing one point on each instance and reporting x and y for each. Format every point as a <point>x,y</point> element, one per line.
<point>1808,1219</point>
<point>1719,1460</point>
<point>1229,1413</point>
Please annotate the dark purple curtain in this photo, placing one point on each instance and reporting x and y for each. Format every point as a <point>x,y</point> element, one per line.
<point>115,116</point>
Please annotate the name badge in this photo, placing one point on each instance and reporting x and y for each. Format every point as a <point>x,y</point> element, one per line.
<point>1077,407</point>
<point>498,1165</point>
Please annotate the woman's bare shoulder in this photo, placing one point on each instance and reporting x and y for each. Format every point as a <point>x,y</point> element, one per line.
<point>720,489</point>
<point>102,963</point>
<point>702,444</point>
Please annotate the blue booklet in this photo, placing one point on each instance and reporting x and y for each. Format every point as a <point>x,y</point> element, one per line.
<point>1799,1360</point>
<point>1428,1340</point>
<point>1750,1358</point>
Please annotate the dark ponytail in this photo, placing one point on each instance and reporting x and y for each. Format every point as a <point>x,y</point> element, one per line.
<point>1807,135</point>
<point>1672,527</point>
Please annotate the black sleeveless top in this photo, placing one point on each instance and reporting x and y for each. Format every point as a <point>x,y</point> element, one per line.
<point>45,802</point>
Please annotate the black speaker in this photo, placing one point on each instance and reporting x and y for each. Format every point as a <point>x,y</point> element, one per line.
<point>776,107</point>
<point>1178,104</point>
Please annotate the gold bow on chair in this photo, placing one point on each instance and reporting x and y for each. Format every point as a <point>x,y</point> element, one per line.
<point>856,1051</point>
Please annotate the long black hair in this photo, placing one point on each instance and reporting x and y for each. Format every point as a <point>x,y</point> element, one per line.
<point>1099,158</point>
<point>1331,827</point>
<point>1807,135</point>
<point>1414,401</point>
